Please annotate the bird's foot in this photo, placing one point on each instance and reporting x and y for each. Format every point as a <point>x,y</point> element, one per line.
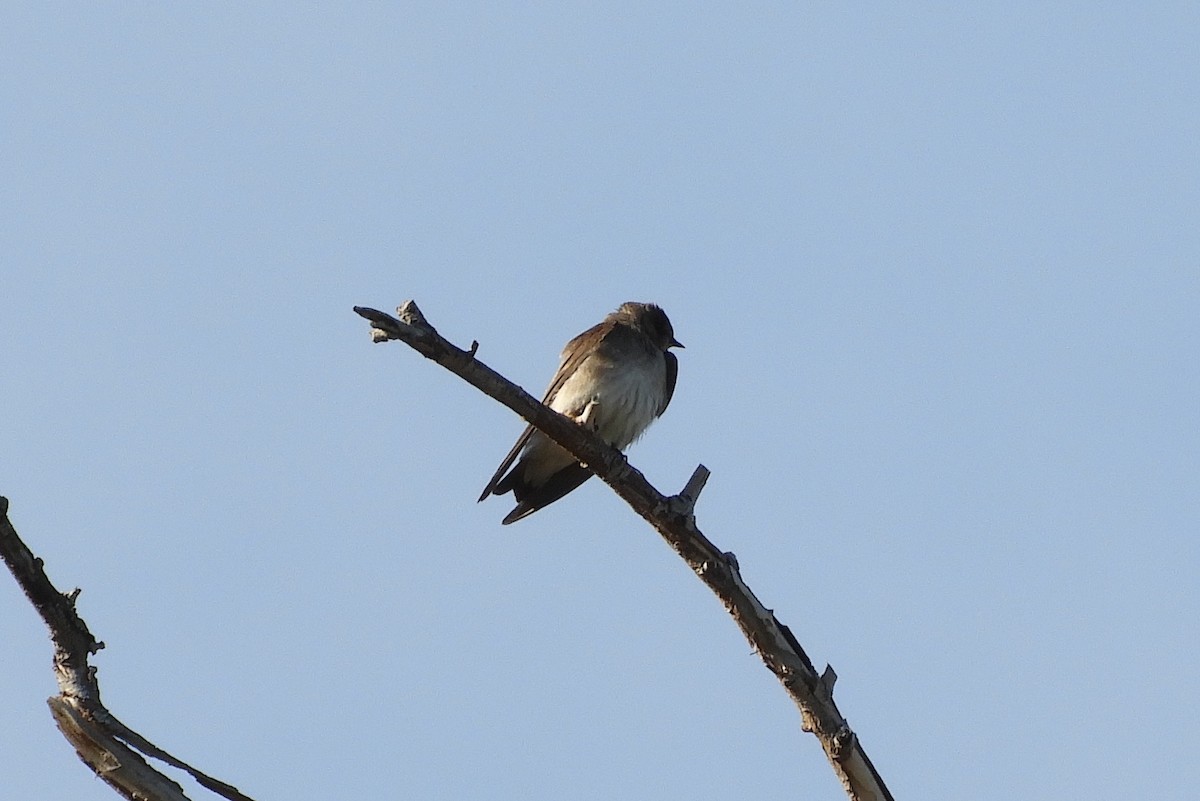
<point>589,418</point>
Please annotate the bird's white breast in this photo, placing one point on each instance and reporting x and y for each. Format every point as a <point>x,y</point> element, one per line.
<point>620,400</point>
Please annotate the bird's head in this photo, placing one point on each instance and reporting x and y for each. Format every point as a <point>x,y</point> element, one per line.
<point>651,321</point>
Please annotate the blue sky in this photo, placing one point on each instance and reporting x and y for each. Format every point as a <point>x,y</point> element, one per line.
<point>937,270</point>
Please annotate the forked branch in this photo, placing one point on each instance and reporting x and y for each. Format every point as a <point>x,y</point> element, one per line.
<point>106,745</point>
<point>673,517</point>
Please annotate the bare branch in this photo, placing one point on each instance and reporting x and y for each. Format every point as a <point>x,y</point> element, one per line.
<point>107,746</point>
<point>685,502</point>
<point>674,520</point>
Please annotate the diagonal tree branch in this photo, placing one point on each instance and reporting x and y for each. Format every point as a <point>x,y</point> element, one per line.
<point>106,745</point>
<point>674,519</point>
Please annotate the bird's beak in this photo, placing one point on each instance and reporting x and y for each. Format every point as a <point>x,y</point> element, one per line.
<point>675,343</point>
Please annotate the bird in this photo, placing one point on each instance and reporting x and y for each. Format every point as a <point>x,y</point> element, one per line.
<point>615,378</point>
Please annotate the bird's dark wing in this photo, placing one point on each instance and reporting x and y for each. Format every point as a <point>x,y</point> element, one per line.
<point>573,355</point>
<point>555,487</point>
<point>507,463</point>
<point>672,373</point>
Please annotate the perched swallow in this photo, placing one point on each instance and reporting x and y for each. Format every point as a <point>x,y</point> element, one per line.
<point>615,378</point>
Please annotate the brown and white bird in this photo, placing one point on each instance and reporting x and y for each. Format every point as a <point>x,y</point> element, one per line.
<point>615,378</point>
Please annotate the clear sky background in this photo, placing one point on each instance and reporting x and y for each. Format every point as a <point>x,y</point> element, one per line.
<point>937,268</point>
